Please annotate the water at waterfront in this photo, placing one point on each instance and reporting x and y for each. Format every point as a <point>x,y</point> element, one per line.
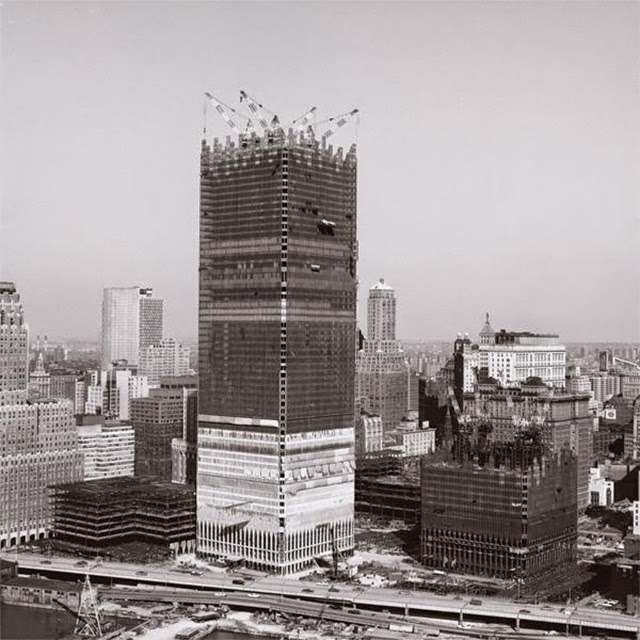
<point>26,623</point>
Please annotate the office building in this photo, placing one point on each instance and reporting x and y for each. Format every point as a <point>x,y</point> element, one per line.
<point>510,357</point>
<point>600,488</point>
<point>466,362</point>
<point>563,418</point>
<point>167,358</point>
<point>38,449</point>
<point>132,320</point>
<point>632,435</point>
<point>605,386</point>
<point>38,441</point>
<point>156,420</point>
<point>369,434</point>
<point>382,368</point>
<point>507,511</point>
<point>414,441</point>
<point>67,385</point>
<point>110,392</point>
<point>184,450</point>
<point>14,342</point>
<point>108,448</point>
<point>39,381</point>
<point>277,327</point>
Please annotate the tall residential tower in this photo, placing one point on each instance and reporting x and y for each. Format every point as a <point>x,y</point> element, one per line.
<point>277,327</point>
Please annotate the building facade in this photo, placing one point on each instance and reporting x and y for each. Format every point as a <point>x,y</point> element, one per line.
<point>605,386</point>
<point>185,449</point>
<point>38,441</point>
<point>415,441</point>
<point>110,392</point>
<point>38,449</point>
<point>14,342</point>
<point>514,356</point>
<point>369,434</point>
<point>108,449</point>
<point>156,420</point>
<point>167,358</point>
<point>277,327</point>
<point>513,516</point>
<point>600,489</point>
<point>132,320</point>
<point>563,418</point>
<point>382,369</point>
<point>39,381</point>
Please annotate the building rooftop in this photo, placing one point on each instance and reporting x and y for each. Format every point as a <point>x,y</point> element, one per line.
<point>128,486</point>
<point>381,285</point>
<point>43,583</point>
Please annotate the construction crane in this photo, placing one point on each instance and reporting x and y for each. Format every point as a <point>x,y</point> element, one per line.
<point>259,112</point>
<point>89,620</point>
<point>337,122</point>
<point>301,123</point>
<point>223,110</point>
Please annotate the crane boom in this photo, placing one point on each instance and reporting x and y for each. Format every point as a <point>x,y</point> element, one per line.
<point>303,121</point>
<point>257,109</point>
<point>223,111</point>
<point>69,610</point>
<point>339,121</point>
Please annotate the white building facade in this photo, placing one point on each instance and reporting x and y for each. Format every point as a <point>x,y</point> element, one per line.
<point>600,489</point>
<point>168,358</point>
<point>132,320</point>
<point>369,434</point>
<point>515,356</point>
<point>108,450</point>
<point>111,392</point>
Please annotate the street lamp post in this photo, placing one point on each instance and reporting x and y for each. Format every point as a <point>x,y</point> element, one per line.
<point>461,617</point>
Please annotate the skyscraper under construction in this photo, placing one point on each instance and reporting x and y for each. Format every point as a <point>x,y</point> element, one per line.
<point>277,327</point>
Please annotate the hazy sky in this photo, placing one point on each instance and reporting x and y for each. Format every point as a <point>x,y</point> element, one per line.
<point>499,151</point>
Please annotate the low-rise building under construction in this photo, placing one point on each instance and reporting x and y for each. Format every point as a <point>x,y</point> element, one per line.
<point>102,513</point>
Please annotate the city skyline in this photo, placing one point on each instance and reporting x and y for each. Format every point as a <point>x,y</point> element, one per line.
<point>524,120</point>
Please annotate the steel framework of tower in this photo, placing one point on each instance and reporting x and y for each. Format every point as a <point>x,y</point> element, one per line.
<point>277,330</point>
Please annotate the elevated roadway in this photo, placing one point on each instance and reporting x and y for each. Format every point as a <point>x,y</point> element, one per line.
<point>578,620</point>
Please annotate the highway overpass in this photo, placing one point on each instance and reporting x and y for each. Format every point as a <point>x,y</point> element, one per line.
<point>576,620</point>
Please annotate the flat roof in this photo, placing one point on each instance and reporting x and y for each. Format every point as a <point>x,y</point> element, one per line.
<point>43,583</point>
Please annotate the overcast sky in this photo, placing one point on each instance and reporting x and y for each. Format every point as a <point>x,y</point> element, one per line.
<point>498,152</point>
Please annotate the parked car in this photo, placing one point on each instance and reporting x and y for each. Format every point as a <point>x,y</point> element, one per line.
<point>238,581</point>
<point>475,602</point>
<point>307,591</point>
